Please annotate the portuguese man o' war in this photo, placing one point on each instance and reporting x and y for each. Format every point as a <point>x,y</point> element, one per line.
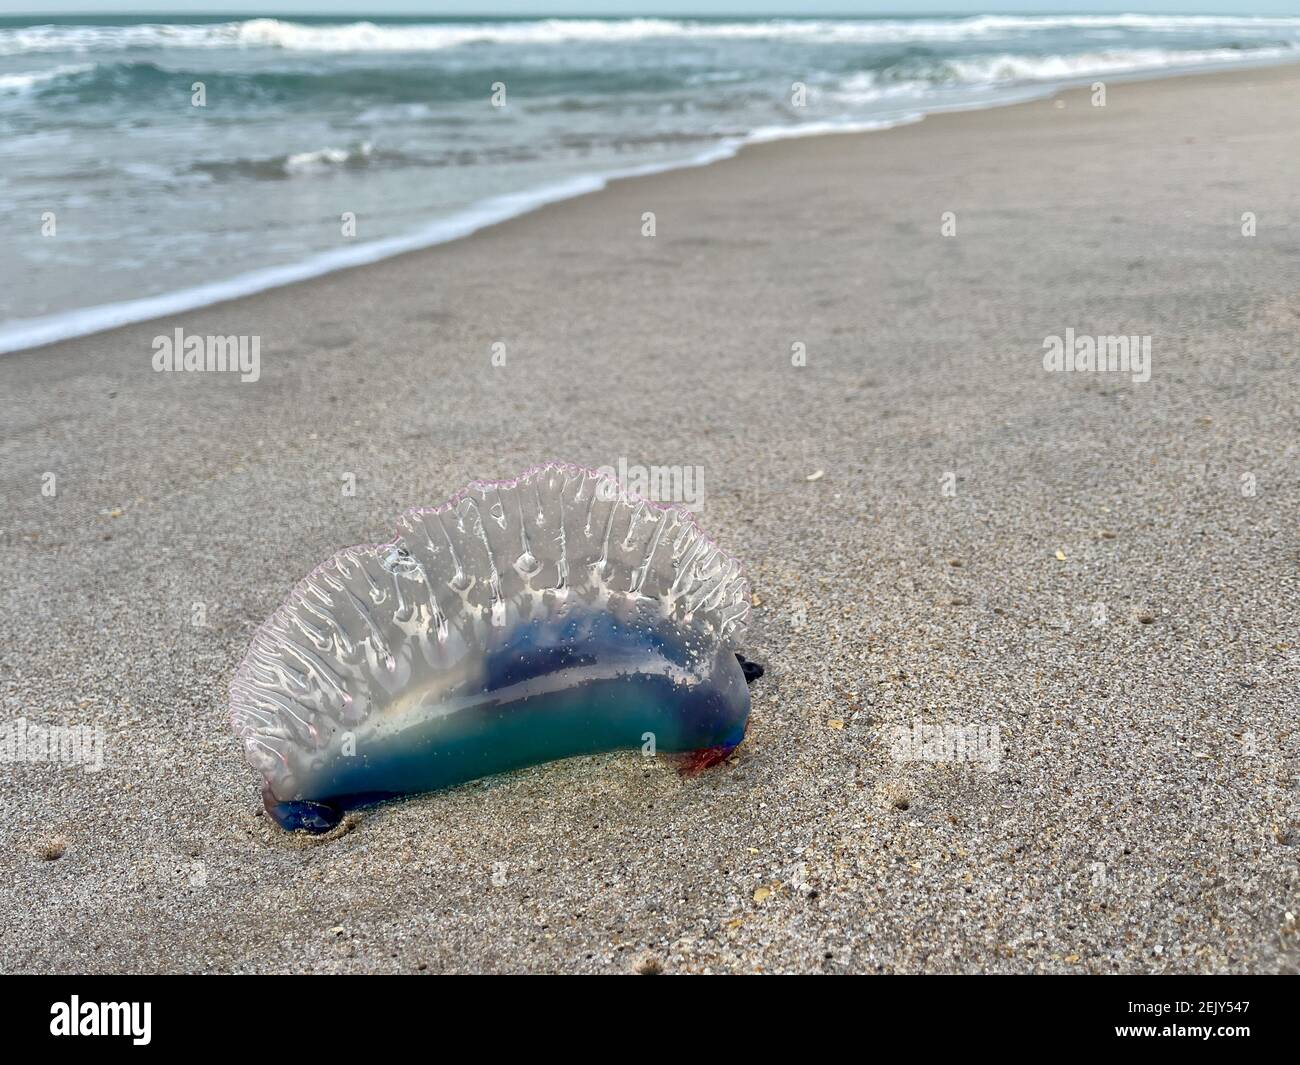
<point>520,622</point>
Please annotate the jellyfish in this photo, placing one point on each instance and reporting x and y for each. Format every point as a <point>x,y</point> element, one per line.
<point>522,621</point>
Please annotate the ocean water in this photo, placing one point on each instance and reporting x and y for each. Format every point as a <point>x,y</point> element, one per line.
<point>120,199</point>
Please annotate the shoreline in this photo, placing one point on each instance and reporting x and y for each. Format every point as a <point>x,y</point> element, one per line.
<point>34,333</point>
<point>1089,581</point>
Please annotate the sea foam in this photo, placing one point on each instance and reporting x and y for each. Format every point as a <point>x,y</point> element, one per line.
<point>413,36</point>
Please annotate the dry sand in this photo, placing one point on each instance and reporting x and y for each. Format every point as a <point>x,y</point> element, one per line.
<point>1144,815</point>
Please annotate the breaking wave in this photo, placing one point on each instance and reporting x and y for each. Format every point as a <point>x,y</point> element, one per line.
<point>418,37</point>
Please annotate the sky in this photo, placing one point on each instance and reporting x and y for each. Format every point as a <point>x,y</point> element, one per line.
<point>737,8</point>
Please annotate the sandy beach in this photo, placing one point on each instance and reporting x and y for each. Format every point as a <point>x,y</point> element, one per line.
<point>1099,576</point>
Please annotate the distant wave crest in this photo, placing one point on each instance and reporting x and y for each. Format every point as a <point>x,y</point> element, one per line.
<point>1008,67</point>
<point>416,37</point>
<point>25,82</point>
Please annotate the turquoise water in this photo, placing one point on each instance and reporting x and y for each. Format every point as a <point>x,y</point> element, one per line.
<point>392,121</point>
<point>573,680</point>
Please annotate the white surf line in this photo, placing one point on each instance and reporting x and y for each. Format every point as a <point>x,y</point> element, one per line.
<point>24,333</point>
